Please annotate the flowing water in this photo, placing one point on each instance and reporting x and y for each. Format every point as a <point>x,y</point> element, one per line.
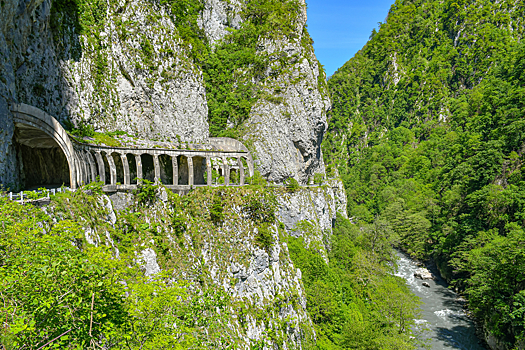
<point>449,327</point>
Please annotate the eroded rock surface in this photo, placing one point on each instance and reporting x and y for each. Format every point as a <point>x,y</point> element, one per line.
<point>132,72</point>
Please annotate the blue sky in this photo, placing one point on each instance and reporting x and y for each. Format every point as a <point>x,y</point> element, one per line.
<point>340,28</point>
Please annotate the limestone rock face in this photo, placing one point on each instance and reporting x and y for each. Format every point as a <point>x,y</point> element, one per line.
<point>286,132</point>
<point>131,71</point>
<point>28,66</point>
<point>287,135</point>
<point>219,15</point>
<point>150,86</point>
<point>130,74</point>
<point>315,204</point>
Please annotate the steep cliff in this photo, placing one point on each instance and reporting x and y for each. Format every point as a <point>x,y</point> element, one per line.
<point>158,70</point>
<point>225,247</point>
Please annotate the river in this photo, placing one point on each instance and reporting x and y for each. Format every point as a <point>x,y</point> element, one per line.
<point>449,327</point>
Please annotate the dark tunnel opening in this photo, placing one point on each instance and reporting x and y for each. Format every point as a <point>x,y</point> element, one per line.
<point>41,161</point>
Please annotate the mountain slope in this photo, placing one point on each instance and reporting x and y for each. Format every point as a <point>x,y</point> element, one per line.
<point>427,54</point>
<point>427,131</point>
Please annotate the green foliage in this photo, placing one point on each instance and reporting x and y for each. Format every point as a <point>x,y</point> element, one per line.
<point>264,238</point>
<point>48,280</point>
<point>318,179</point>
<point>261,207</point>
<point>185,15</point>
<point>235,177</point>
<point>178,221</point>
<point>292,185</point>
<point>146,192</point>
<point>257,179</point>
<point>415,66</point>
<point>355,301</point>
<point>430,118</point>
<point>217,210</point>
<point>83,130</point>
<point>236,69</point>
<point>58,289</point>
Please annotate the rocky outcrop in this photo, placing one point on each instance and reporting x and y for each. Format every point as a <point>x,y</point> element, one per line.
<point>265,289</point>
<point>287,135</point>
<point>423,274</point>
<point>317,205</point>
<point>217,16</point>
<point>286,129</point>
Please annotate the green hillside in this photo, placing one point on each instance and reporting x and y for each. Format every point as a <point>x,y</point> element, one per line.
<point>428,133</point>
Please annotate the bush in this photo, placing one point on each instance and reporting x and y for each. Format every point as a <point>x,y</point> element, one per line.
<point>217,211</point>
<point>257,179</point>
<point>291,184</point>
<point>261,208</point>
<point>318,179</point>
<point>146,192</point>
<point>264,238</point>
<point>179,224</point>
<point>83,129</point>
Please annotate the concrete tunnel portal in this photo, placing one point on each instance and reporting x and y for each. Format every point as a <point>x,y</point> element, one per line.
<point>42,163</point>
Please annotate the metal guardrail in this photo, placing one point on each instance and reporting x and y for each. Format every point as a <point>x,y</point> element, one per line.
<point>26,196</point>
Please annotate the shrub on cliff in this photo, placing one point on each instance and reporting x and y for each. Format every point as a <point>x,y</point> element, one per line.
<point>146,192</point>
<point>292,185</point>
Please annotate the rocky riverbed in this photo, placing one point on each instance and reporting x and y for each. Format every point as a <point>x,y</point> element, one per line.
<point>449,326</point>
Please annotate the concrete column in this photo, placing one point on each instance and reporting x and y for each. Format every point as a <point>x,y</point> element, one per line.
<point>112,169</point>
<point>190,171</point>
<point>83,173</point>
<point>157,168</point>
<point>241,171</point>
<point>175,170</point>
<point>125,164</point>
<point>78,178</point>
<point>226,171</point>
<point>208,171</point>
<point>89,157</point>
<point>138,160</point>
<point>101,168</point>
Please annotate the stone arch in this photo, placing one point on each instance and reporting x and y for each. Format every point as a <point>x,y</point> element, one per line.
<point>148,167</point>
<point>232,145</point>
<point>133,172</point>
<point>119,167</point>
<point>200,175</point>
<point>107,169</point>
<point>100,165</point>
<point>217,170</point>
<point>166,169</point>
<point>184,173</point>
<point>94,165</point>
<point>37,119</point>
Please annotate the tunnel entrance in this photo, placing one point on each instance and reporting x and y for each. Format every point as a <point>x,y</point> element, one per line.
<point>42,163</point>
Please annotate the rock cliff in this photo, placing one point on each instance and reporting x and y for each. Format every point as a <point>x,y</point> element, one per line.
<point>241,251</point>
<point>137,66</point>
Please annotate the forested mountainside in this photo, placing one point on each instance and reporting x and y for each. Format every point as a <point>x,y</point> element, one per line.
<point>427,130</point>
